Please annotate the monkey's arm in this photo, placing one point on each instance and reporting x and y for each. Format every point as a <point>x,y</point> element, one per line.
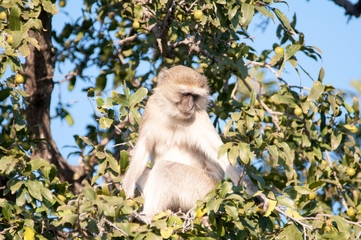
<point>139,158</point>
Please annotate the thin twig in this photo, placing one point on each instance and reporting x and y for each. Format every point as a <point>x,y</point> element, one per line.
<point>293,218</point>
<point>338,186</point>
<point>115,226</point>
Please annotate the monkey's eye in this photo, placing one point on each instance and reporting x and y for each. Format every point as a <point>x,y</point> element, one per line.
<point>195,96</point>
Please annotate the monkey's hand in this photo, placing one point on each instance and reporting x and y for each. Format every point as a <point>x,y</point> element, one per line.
<point>128,186</point>
<point>262,203</point>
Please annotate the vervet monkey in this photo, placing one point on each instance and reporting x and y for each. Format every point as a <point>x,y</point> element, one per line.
<point>179,138</point>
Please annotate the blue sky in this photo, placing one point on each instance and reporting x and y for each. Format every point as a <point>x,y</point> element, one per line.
<point>322,22</point>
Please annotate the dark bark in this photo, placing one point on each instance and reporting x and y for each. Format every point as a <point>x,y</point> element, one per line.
<point>39,70</point>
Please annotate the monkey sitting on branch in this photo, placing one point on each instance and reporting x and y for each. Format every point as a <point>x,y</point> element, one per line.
<point>182,143</point>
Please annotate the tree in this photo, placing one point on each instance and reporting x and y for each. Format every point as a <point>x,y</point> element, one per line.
<point>300,145</point>
<point>352,9</point>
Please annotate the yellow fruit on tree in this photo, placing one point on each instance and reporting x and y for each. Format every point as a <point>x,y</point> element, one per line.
<point>351,172</point>
<point>131,202</point>
<point>198,14</point>
<point>312,196</point>
<point>136,24</point>
<point>3,15</point>
<point>19,78</point>
<point>298,111</point>
<point>316,83</point>
<point>26,146</point>
<point>62,3</point>
<point>10,40</point>
<point>327,229</point>
<point>279,50</point>
<point>29,233</point>
<point>351,212</point>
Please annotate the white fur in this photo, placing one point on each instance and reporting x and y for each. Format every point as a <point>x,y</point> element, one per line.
<point>183,153</point>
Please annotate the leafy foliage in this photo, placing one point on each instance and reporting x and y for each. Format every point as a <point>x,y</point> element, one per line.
<point>298,144</point>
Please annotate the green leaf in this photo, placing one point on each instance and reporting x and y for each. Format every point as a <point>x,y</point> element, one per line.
<point>124,160</point>
<point>138,96</point>
<point>292,50</point>
<point>231,211</point>
<point>233,155</point>
<point>273,150</point>
<point>105,122</point>
<point>100,102</point>
<point>336,138</point>
<point>69,119</point>
<point>46,193</point>
<point>247,14</point>
<point>49,7</point>
<point>315,92</point>
<point>263,10</point>
<point>166,232</point>
<point>113,164</point>
<point>6,209</point>
<point>101,82</point>
<point>244,152</point>
<point>135,114</point>
<point>321,74</point>
<point>303,190</point>
<point>15,185</point>
<point>33,188</point>
<point>37,163</point>
<point>316,185</point>
<point>89,193</point>
<point>19,121</point>
<point>284,21</point>
<point>224,149</point>
<point>14,18</point>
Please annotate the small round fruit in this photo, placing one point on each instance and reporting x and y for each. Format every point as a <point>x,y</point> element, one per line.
<point>198,14</point>
<point>19,78</point>
<point>3,15</point>
<point>26,146</point>
<point>327,229</point>
<point>10,40</point>
<point>62,198</point>
<point>168,212</point>
<point>279,50</point>
<point>351,212</point>
<point>351,172</point>
<point>131,202</point>
<point>312,196</point>
<point>316,83</point>
<point>62,3</point>
<point>136,24</point>
<point>231,52</point>
<point>298,111</point>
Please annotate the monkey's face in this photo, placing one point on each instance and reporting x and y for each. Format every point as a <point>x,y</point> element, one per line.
<point>184,92</point>
<point>187,104</point>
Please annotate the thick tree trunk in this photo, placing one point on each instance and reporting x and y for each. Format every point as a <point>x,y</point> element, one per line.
<point>39,70</point>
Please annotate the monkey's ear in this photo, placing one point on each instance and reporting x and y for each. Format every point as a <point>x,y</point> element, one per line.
<point>163,74</point>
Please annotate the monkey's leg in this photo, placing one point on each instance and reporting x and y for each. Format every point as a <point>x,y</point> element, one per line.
<point>174,186</point>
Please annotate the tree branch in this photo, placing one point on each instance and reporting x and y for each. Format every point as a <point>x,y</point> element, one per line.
<point>39,66</point>
<point>351,9</point>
